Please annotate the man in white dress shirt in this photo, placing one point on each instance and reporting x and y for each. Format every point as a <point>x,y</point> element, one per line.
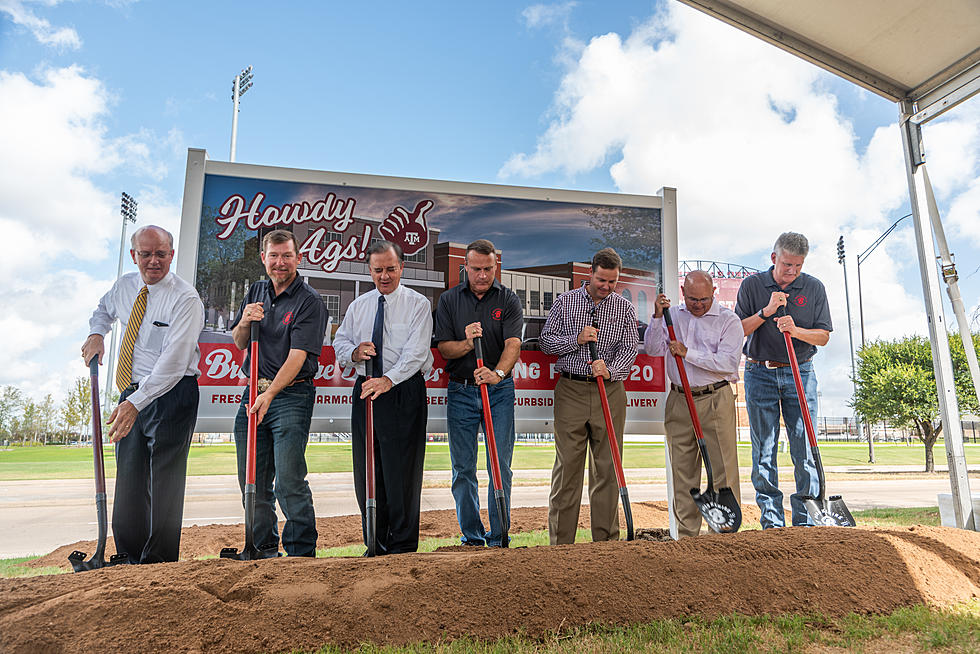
<point>392,326</point>
<point>161,316</point>
<point>709,339</point>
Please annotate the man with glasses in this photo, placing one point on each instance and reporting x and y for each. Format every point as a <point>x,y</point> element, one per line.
<point>292,320</point>
<point>591,314</point>
<point>162,317</point>
<point>769,386</point>
<point>709,340</point>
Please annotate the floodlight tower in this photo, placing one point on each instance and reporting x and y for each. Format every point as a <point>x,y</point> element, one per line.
<point>127,210</point>
<point>842,260</point>
<point>241,84</point>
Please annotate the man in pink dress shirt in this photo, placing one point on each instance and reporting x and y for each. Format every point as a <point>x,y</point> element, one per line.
<point>709,339</point>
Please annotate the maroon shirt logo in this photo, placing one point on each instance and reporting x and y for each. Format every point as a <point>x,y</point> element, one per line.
<point>800,300</point>
<point>288,318</point>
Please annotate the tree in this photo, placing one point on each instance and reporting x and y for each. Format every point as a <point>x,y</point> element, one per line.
<point>10,401</point>
<point>896,382</point>
<point>633,232</point>
<point>77,411</point>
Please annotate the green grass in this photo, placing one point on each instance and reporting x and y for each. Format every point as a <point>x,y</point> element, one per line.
<point>60,462</point>
<point>16,568</point>
<point>951,630</point>
<point>928,516</point>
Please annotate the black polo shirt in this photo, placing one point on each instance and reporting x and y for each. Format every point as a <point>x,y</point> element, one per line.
<point>806,303</point>
<point>296,319</point>
<point>500,313</point>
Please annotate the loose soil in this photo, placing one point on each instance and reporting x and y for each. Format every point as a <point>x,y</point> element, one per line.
<point>285,604</point>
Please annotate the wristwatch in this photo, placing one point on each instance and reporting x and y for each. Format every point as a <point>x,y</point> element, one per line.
<point>500,373</point>
<point>761,314</point>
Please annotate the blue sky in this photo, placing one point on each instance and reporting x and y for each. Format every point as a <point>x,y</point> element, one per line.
<point>102,97</point>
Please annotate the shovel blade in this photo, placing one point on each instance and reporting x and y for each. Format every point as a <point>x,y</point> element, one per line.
<point>828,513</point>
<point>719,509</point>
<point>79,564</point>
<point>248,553</point>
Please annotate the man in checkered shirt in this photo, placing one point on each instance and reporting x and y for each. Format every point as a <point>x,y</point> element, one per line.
<point>579,423</point>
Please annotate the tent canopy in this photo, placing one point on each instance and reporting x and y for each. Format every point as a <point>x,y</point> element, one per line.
<point>924,51</point>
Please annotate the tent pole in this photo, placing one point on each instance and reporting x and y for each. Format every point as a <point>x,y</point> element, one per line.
<point>925,246</point>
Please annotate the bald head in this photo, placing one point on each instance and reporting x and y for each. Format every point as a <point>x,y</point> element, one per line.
<point>699,291</point>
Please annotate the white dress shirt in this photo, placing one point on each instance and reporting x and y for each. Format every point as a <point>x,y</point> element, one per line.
<point>166,348</point>
<point>407,333</point>
<point>713,342</point>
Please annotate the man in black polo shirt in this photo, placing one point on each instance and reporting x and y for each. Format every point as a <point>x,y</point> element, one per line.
<point>479,306</point>
<point>292,321</point>
<point>769,384</point>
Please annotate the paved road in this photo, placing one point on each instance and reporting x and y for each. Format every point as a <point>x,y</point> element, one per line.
<point>38,516</point>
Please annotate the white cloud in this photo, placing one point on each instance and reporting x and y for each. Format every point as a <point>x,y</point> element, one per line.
<point>21,14</point>
<point>756,146</point>
<point>57,219</point>
<point>541,15</point>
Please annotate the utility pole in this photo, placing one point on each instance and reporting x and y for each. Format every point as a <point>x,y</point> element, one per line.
<point>127,209</point>
<point>241,84</point>
<point>842,260</point>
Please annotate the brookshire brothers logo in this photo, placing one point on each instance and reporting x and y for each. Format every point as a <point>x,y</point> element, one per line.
<point>408,229</point>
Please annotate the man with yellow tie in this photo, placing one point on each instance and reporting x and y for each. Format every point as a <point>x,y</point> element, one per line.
<point>162,317</point>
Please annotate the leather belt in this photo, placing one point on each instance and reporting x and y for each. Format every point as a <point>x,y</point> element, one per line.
<point>265,383</point>
<point>773,364</point>
<point>701,390</point>
<point>574,377</point>
<point>464,381</point>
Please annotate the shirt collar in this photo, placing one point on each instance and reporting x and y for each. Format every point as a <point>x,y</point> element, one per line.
<point>496,286</point>
<point>771,281</point>
<point>297,282</point>
<point>160,286</point>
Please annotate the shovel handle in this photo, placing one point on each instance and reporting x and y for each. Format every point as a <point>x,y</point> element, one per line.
<point>97,457</point>
<point>689,398</point>
<point>607,415</point>
<point>798,380</point>
<point>488,421</point>
<point>253,382</point>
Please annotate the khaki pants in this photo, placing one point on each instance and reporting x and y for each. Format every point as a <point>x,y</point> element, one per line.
<point>580,427</point>
<point>716,412</point>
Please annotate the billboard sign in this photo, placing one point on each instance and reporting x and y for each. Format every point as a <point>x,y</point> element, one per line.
<point>545,239</point>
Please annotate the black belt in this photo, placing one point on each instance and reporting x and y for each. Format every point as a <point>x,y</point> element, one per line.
<point>463,381</point>
<point>574,377</point>
<point>701,390</point>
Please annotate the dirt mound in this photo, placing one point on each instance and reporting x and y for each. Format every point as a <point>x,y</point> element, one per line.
<point>286,604</point>
<point>207,540</point>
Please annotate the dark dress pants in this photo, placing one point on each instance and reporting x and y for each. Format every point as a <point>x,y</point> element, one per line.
<point>399,452</point>
<point>151,471</point>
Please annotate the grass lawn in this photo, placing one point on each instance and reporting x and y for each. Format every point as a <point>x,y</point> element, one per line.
<point>58,462</point>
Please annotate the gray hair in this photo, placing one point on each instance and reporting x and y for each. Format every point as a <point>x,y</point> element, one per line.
<point>139,232</point>
<point>383,246</point>
<point>792,243</point>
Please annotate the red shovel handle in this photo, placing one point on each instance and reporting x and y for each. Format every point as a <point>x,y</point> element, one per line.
<point>369,435</point>
<point>811,435</point>
<point>253,382</point>
<point>498,483</point>
<point>686,384</point>
<point>607,414</point>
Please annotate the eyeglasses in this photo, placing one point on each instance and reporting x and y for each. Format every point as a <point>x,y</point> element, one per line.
<point>159,254</point>
<point>698,300</point>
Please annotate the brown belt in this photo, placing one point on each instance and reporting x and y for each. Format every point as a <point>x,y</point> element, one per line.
<point>772,364</point>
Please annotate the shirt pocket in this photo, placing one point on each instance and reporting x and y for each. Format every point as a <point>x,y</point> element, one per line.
<point>157,335</point>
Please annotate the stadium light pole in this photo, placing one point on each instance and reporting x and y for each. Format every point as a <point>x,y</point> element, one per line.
<point>241,84</point>
<point>842,260</point>
<point>862,257</point>
<point>127,208</point>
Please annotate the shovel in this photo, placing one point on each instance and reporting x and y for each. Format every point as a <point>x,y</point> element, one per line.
<point>249,552</point>
<point>829,512</point>
<point>613,445</point>
<point>371,504</point>
<point>719,508</point>
<point>76,558</point>
<point>498,485</point>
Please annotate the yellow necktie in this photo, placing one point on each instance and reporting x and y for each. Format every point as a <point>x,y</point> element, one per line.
<point>124,371</point>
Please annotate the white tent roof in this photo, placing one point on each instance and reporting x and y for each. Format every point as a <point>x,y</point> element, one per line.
<point>926,51</point>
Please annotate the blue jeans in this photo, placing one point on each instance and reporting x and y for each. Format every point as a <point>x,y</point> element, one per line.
<point>280,457</point>
<point>464,413</point>
<point>767,391</point>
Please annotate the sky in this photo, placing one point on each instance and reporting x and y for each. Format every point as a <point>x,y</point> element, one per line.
<point>101,97</point>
